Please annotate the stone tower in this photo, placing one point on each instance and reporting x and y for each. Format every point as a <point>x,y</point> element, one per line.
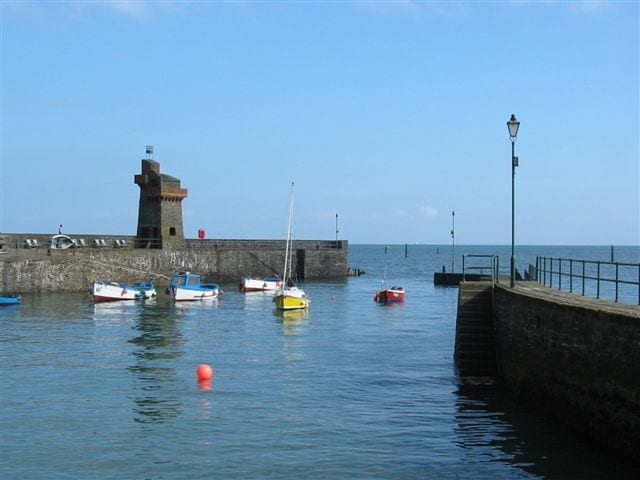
<point>160,208</point>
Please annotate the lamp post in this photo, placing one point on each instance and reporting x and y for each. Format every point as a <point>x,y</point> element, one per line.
<point>453,241</point>
<point>513,124</point>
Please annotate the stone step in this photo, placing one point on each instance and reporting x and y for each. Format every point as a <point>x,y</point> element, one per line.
<point>482,364</point>
<point>468,300</point>
<point>470,343</point>
<point>475,325</point>
<point>476,315</point>
<point>477,372</point>
<point>474,329</point>
<point>475,353</point>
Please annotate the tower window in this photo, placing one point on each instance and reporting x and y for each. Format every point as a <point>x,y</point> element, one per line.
<point>172,231</point>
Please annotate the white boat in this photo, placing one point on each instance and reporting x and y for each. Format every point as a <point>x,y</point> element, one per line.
<point>61,242</point>
<point>261,284</point>
<point>289,296</point>
<point>186,286</point>
<point>113,291</point>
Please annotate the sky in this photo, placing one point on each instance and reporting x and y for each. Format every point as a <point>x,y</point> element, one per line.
<point>390,115</point>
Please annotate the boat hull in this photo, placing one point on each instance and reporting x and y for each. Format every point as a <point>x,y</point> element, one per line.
<point>260,284</point>
<point>285,302</point>
<point>115,292</point>
<point>291,299</point>
<point>192,294</point>
<point>187,287</point>
<point>389,295</point>
<point>7,301</point>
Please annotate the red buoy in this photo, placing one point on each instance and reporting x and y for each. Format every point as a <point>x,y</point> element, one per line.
<point>204,372</point>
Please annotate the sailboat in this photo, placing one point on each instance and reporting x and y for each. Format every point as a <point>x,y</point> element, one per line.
<point>289,296</point>
<point>394,294</point>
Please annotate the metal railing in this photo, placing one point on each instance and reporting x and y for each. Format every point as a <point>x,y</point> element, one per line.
<point>594,278</point>
<point>490,263</point>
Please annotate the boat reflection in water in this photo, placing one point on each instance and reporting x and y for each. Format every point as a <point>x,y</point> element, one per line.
<point>158,343</point>
<point>292,320</point>
<point>294,324</point>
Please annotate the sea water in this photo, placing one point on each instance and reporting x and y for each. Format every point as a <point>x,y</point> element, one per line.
<point>349,389</point>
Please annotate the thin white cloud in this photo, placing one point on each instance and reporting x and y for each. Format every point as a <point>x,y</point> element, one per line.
<point>581,7</point>
<point>81,11</point>
<point>590,7</point>
<point>415,8</point>
<point>389,6</point>
<point>130,8</point>
<point>429,212</point>
<point>400,213</point>
<point>25,7</point>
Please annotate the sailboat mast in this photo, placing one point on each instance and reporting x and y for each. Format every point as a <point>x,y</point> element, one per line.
<point>287,252</point>
<point>384,278</point>
<point>291,210</point>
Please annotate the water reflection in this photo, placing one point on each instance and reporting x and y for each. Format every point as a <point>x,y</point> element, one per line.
<point>204,412</point>
<point>205,385</point>
<point>293,321</point>
<point>398,305</point>
<point>157,347</point>
<point>256,303</point>
<point>181,308</point>
<point>490,425</point>
<point>113,312</point>
<point>293,324</point>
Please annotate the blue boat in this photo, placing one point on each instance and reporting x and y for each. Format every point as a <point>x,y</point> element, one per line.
<point>8,300</point>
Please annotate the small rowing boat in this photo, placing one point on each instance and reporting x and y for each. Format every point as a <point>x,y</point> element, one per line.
<point>8,300</point>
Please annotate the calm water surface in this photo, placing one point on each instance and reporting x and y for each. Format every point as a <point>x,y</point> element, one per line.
<point>349,390</point>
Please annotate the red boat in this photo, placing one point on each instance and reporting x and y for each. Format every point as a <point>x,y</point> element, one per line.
<point>385,295</point>
<point>389,295</point>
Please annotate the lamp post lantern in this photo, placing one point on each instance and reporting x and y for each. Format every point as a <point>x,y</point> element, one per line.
<point>513,124</point>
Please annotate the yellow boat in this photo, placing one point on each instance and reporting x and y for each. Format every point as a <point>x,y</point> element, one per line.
<point>289,296</point>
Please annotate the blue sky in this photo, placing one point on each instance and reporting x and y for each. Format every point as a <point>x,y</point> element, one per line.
<point>389,114</point>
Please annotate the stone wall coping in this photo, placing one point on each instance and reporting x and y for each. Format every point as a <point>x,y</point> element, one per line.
<point>535,290</point>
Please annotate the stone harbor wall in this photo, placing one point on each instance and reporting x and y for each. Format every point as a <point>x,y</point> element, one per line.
<point>574,357</point>
<point>40,269</point>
